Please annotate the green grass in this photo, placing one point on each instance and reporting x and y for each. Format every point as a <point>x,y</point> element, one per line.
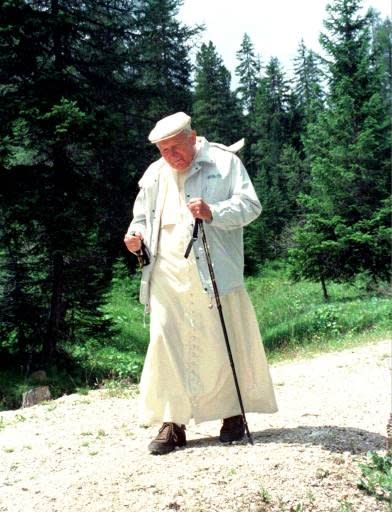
<point>121,356</point>
<point>376,478</point>
<point>294,321</point>
<point>12,387</point>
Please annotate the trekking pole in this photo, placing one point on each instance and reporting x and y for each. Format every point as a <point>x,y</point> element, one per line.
<point>199,223</point>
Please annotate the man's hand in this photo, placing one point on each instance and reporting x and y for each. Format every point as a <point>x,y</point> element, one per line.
<point>199,209</point>
<point>133,242</point>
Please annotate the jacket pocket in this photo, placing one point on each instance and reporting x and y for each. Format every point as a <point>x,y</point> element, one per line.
<point>215,188</point>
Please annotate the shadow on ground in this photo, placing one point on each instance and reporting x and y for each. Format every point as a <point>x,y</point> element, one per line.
<point>332,438</point>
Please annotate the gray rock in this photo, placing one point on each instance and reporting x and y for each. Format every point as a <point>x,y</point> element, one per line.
<point>36,395</point>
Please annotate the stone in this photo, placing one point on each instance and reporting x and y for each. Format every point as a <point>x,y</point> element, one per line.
<point>35,396</point>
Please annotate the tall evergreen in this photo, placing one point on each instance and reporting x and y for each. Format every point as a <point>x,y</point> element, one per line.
<point>216,112</point>
<point>345,231</point>
<point>271,125</point>
<point>248,71</point>
<point>162,54</point>
<point>307,101</point>
<point>73,84</point>
<point>308,83</point>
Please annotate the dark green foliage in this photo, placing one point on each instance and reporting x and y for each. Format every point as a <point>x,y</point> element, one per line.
<point>249,74</point>
<point>216,113</point>
<point>76,104</point>
<point>81,85</point>
<point>346,228</point>
<point>162,64</point>
<point>308,80</point>
<point>376,478</point>
<point>381,35</point>
<point>271,126</point>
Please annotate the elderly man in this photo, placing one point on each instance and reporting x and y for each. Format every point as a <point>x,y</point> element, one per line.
<point>186,374</point>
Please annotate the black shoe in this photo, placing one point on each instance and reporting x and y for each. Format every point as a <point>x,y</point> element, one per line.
<point>233,429</point>
<point>169,436</point>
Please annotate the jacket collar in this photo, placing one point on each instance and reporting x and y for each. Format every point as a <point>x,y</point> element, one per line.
<point>202,151</point>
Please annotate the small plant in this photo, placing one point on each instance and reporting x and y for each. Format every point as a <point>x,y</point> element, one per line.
<point>265,495</point>
<point>322,473</point>
<point>82,390</point>
<point>376,477</point>
<point>84,402</point>
<point>345,506</point>
<point>311,497</point>
<point>296,508</point>
<point>2,424</point>
<point>118,389</point>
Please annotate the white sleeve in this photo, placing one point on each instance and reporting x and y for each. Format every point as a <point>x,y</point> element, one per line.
<point>242,207</point>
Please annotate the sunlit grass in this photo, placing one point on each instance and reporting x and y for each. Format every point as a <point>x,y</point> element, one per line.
<point>295,319</point>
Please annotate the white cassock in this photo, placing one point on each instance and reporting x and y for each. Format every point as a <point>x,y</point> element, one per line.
<point>187,373</point>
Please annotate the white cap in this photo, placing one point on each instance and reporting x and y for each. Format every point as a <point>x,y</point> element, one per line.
<point>169,127</point>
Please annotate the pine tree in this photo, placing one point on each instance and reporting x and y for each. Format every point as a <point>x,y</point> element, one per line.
<point>216,113</point>
<point>271,125</point>
<point>162,52</point>
<point>73,141</point>
<point>382,44</point>
<point>345,230</point>
<point>249,74</point>
<point>307,83</point>
<point>307,101</point>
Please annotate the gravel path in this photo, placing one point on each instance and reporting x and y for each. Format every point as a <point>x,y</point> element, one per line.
<point>88,453</point>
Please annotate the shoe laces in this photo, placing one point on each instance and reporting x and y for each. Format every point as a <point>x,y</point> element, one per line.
<point>172,429</point>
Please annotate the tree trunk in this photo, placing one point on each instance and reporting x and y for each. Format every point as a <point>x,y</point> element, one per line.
<point>56,314</point>
<point>57,310</point>
<point>323,286</point>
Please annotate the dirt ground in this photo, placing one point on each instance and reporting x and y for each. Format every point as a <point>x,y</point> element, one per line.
<point>88,453</point>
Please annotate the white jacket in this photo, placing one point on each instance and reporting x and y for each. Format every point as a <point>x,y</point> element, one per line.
<point>220,179</point>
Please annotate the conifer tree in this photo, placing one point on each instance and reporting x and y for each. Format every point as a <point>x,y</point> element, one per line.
<point>216,113</point>
<point>73,83</point>
<point>249,74</point>
<point>162,54</point>
<point>381,39</point>
<point>271,125</point>
<point>345,231</point>
<point>307,83</point>
<point>307,101</point>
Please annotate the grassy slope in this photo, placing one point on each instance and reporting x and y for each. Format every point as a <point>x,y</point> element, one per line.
<point>294,321</point>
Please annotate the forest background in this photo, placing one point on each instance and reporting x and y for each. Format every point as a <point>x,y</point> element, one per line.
<point>81,85</point>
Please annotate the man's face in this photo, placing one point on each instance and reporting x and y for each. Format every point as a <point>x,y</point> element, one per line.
<point>178,151</point>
